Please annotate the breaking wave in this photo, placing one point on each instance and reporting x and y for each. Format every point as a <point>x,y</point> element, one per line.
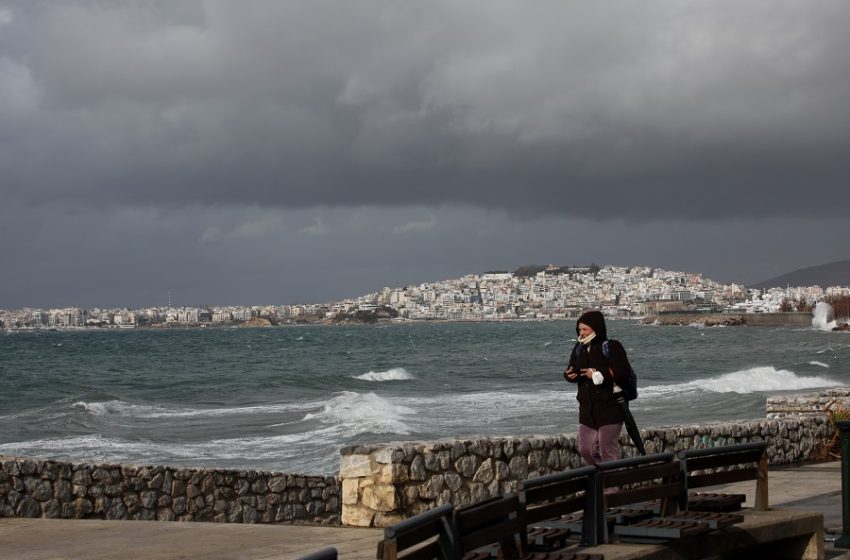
<point>393,374</point>
<point>752,380</point>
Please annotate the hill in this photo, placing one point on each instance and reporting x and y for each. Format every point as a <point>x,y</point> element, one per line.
<point>830,274</point>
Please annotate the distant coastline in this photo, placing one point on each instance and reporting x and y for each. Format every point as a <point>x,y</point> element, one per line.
<point>665,319</point>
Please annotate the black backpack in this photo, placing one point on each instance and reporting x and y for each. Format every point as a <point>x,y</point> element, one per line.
<point>630,391</point>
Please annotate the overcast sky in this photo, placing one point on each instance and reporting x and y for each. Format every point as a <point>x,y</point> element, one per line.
<point>280,151</point>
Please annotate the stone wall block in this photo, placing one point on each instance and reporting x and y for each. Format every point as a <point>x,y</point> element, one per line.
<point>277,484</point>
<point>458,450</point>
<point>432,487</point>
<point>479,447</point>
<point>116,510</point>
<point>62,490</point>
<point>467,465</point>
<point>400,474</point>
<point>478,493</point>
<point>355,466</point>
<point>519,467</point>
<point>147,499</point>
<point>165,514</point>
<point>431,462</point>
<point>454,481</point>
<point>417,469</point>
<point>79,490</point>
<point>131,500</point>
<point>102,475</point>
<point>350,488</point>
<point>51,509</point>
<point>357,516</point>
<point>67,510</point>
<point>332,504</point>
<point>384,456</point>
<point>381,497</point>
<point>485,472</point>
<point>28,467</point>
<point>81,476</point>
<point>82,508</point>
<point>101,504</point>
<point>535,459</point>
<point>260,486</point>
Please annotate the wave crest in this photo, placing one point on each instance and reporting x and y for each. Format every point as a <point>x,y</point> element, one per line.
<point>364,413</point>
<point>128,409</point>
<point>752,380</point>
<point>393,374</point>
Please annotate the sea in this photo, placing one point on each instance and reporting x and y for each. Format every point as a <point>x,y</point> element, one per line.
<point>289,398</point>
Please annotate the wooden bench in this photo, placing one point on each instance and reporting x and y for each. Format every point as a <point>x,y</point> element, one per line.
<point>653,484</point>
<point>556,505</point>
<point>427,536</point>
<point>324,554</point>
<point>722,465</point>
<point>494,529</point>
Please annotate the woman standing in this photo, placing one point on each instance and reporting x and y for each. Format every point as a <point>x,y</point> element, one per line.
<point>596,371</point>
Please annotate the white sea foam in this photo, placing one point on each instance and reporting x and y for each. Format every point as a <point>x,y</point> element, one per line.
<point>124,408</point>
<point>753,380</point>
<point>393,374</point>
<point>821,364</point>
<point>547,343</point>
<point>363,413</point>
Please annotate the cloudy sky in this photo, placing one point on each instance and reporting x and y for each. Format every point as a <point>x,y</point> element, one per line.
<point>301,151</point>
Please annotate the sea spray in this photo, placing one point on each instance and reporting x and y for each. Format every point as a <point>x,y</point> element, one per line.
<point>823,316</point>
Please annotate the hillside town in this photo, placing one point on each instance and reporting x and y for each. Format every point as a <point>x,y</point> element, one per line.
<point>531,293</point>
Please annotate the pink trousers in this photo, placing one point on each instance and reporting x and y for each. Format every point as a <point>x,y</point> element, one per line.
<point>599,446</point>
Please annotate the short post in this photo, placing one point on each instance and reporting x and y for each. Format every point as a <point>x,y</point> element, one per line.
<point>844,434</point>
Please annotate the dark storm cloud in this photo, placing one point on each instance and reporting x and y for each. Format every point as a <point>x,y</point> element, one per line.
<point>623,110</point>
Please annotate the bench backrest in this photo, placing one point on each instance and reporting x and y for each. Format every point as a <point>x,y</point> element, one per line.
<point>494,521</point>
<point>556,495</point>
<point>407,539</point>
<point>640,479</point>
<point>725,464</point>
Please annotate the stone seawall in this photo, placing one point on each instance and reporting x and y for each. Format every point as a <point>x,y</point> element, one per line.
<point>383,484</point>
<point>378,485</point>
<point>56,489</point>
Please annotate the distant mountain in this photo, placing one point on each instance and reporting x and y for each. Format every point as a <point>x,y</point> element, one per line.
<point>830,274</point>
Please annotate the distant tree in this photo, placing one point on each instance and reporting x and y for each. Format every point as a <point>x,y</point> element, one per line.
<point>786,305</point>
<point>802,305</point>
<point>840,305</point>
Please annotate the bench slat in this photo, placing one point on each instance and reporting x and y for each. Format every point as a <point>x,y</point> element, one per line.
<point>722,477</point>
<point>725,460</point>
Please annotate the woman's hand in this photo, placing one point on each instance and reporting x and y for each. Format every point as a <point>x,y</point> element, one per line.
<point>570,375</point>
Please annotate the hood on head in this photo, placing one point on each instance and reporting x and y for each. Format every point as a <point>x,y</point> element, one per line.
<point>596,321</point>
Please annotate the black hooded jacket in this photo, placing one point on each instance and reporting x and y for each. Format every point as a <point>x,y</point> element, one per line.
<point>597,406</point>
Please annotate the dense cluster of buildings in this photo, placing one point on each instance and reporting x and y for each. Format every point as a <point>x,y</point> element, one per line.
<point>545,293</point>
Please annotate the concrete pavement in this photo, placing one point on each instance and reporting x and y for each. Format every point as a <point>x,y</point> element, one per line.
<point>810,487</point>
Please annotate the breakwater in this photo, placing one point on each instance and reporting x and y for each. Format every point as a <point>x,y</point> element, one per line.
<point>791,318</point>
<point>377,485</point>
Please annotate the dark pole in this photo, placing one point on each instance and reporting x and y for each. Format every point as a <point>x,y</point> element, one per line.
<point>844,433</point>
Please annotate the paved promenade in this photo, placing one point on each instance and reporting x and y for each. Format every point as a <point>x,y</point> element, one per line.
<point>812,487</point>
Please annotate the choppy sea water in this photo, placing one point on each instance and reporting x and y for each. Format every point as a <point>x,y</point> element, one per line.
<point>289,398</point>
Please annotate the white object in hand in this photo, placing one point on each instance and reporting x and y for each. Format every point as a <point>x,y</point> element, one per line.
<point>597,377</point>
